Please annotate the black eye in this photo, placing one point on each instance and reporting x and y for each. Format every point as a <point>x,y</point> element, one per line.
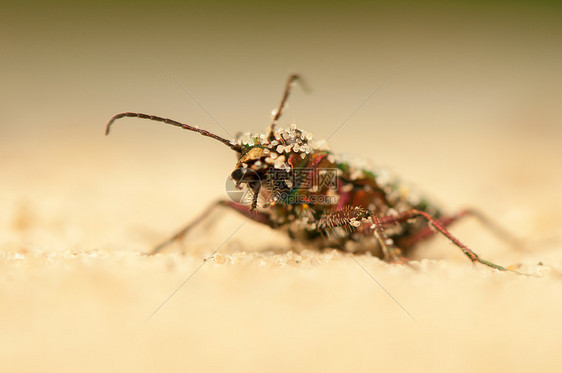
<point>244,175</point>
<point>237,174</point>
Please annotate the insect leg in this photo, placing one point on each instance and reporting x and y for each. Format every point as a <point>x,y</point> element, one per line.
<point>441,229</point>
<point>242,209</point>
<point>351,218</point>
<point>426,232</point>
<point>348,219</point>
<point>391,253</point>
<point>445,221</point>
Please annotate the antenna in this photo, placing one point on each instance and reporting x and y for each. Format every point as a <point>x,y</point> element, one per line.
<point>292,78</point>
<point>231,144</point>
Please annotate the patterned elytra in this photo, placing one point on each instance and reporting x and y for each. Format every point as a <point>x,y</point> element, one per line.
<point>317,198</point>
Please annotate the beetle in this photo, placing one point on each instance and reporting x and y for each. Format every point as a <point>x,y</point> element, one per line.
<point>296,185</point>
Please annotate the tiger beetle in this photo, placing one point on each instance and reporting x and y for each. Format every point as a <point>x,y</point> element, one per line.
<point>294,184</point>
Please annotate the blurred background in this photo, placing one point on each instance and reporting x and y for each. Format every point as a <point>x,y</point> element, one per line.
<point>471,115</point>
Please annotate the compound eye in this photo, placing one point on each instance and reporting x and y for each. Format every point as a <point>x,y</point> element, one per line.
<point>237,174</point>
<point>244,175</point>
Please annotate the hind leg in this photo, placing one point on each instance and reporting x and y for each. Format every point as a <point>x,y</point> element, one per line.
<point>439,227</point>
<point>429,231</point>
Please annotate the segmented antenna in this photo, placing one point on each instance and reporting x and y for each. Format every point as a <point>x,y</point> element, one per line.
<point>232,145</point>
<point>292,78</point>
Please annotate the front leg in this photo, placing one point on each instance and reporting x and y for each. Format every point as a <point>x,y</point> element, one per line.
<point>351,218</point>
<point>241,209</point>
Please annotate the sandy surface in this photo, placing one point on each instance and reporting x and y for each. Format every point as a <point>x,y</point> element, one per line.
<point>473,120</point>
<point>78,294</point>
